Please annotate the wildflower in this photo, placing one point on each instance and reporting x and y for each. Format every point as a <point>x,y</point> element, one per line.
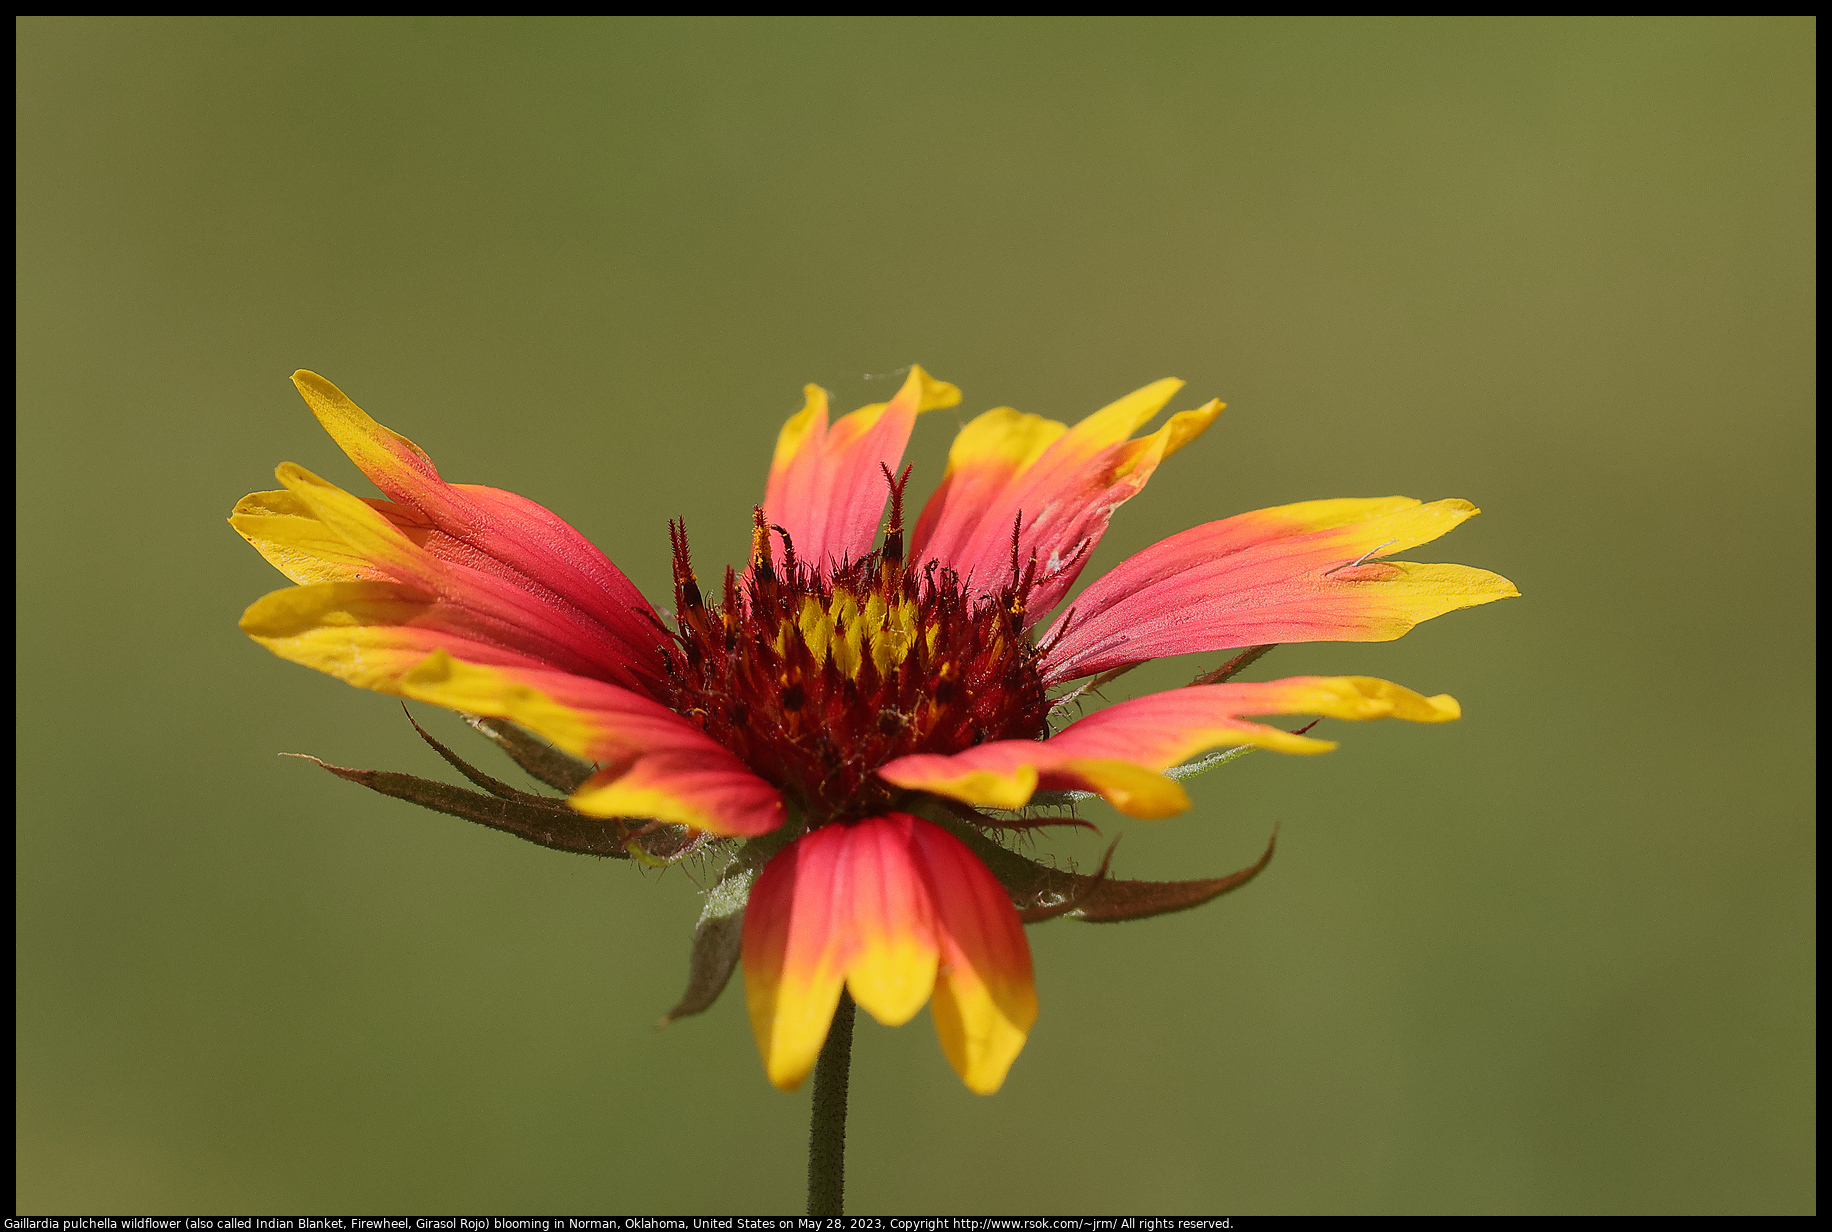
<point>849,707</point>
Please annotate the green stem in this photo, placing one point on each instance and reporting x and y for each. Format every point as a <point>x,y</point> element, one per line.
<point>827,1132</point>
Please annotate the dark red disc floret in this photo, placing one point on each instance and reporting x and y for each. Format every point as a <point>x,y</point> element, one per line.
<point>816,679</point>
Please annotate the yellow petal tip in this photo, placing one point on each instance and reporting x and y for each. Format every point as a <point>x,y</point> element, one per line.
<point>787,1080</point>
<point>308,383</point>
<point>932,395</point>
<point>1446,708</point>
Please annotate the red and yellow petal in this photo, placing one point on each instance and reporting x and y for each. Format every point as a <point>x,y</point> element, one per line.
<point>985,996</point>
<point>892,908</point>
<point>485,531</point>
<point>797,942</point>
<point>318,530</point>
<point>845,905</point>
<point>688,782</point>
<point>371,633</point>
<point>891,970</point>
<point>827,485</point>
<point>1121,751</point>
<point>1299,573</point>
<point>987,456</point>
<point>1058,485</point>
<point>659,765</point>
<point>396,640</point>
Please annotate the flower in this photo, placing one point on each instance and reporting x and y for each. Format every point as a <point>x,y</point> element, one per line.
<point>850,706</point>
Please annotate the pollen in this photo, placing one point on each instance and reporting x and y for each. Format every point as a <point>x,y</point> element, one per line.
<point>815,678</point>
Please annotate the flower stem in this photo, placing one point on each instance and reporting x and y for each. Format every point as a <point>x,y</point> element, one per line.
<point>827,1132</point>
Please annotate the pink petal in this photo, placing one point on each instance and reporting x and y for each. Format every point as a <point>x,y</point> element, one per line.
<point>1298,573</point>
<point>468,601</point>
<point>494,533</point>
<point>985,994</point>
<point>1057,488</point>
<point>827,486</point>
<point>891,907</point>
<point>1120,752</point>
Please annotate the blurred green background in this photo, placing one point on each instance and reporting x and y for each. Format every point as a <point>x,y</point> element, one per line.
<point>1555,958</point>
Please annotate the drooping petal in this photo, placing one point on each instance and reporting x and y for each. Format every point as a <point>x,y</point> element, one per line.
<point>985,999</point>
<point>827,485</point>
<point>891,970</point>
<point>1298,573</point>
<point>313,517</point>
<point>1120,752</point>
<point>1057,485</point>
<point>892,908</point>
<point>690,783</point>
<point>796,944</point>
<point>845,904</point>
<point>486,530</point>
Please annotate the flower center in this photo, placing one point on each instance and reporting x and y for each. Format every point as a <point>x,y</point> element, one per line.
<point>816,679</point>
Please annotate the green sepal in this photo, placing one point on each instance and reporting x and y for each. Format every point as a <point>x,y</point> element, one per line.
<point>718,936</point>
<point>1043,893</point>
<point>538,819</point>
<point>549,765</point>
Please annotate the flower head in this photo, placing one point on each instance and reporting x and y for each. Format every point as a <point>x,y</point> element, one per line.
<point>850,703</point>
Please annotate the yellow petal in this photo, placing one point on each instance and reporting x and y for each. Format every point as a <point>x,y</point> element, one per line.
<point>891,970</point>
<point>372,447</point>
<point>1118,420</point>
<point>363,530</point>
<point>929,393</point>
<point>985,1002</point>
<point>1132,789</point>
<point>1179,430</point>
<point>1003,440</point>
<point>360,632</point>
<point>795,953</point>
<point>283,529</point>
<point>795,430</point>
<point>444,681</point>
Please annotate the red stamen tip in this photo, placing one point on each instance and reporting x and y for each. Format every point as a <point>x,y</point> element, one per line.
<point>893,537</point>
<point>814,677</point>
